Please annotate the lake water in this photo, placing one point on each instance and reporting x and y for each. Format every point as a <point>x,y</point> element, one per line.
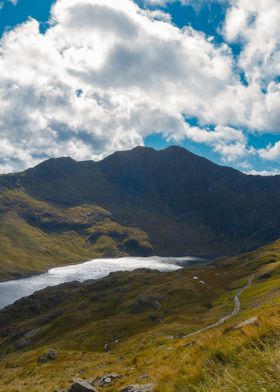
<point>13,290</point>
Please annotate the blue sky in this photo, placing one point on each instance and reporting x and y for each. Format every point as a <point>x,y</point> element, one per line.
<point>241,130</point>
<point>11,14</point>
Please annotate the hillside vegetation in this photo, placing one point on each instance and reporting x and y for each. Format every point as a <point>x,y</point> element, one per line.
<point>186,204</point>
<point>36,236</point>
<point>137,324</point>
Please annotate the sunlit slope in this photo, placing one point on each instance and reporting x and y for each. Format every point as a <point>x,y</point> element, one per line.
<point>137,324</point>
<point>35,235</point>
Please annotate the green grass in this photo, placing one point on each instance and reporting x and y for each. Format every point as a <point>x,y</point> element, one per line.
<point>149,338</point>
<point>143,317</point>
<point>36,236</point>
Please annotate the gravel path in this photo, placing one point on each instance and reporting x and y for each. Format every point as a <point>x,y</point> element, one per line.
<point>235,311</point>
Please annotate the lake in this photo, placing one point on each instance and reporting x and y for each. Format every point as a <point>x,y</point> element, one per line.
<point>13,290</point>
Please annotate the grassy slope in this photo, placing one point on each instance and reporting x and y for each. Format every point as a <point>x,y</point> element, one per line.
<point>35,236</point>
<point>143,316</point>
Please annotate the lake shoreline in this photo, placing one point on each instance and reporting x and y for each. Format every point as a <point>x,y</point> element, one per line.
<point>204,260</point>
<point>96,269</point>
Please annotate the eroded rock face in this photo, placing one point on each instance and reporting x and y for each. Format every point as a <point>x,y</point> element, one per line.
<point>81,386</point>
<point>138,388</point>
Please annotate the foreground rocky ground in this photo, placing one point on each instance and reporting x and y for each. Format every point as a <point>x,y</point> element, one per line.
<point>133,331</point>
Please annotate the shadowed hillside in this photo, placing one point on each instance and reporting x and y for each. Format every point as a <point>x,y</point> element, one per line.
<point>185,203</point>
<point>35,235</point>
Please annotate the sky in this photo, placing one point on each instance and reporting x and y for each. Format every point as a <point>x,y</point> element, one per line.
<point>85,78</point>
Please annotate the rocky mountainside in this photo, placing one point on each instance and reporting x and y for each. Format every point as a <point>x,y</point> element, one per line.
<point>133,331</point>
<point>185,204</point>
<point>36,235</point>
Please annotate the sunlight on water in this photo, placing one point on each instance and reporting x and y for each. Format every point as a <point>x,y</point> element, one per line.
<point>95,269</point>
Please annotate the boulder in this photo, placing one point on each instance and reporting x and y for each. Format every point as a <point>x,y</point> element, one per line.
<point>81,386</point>
<point>107,380</point>
<point>251,321</point>
<point>138,388</point>
<point>48,356</point>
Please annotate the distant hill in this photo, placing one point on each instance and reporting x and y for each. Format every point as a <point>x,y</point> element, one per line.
<point>185,204</point>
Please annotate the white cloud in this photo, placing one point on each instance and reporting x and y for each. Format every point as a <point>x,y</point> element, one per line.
<point>219,135</point>
<point>195,3</point>
<point>257,25</point>
<point>234,151</point>
<point>270,153</point>
<point>264,172</point>
<point>107,73</point>
<point>229,143</point>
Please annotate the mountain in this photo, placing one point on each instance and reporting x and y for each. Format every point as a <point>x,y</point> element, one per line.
<point>202,328</point>
<point>183,204</point>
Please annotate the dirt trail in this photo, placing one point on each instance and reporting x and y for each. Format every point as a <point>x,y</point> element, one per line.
<point>235,311</point>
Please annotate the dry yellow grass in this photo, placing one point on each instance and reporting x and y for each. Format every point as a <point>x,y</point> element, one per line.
<point>152,348</point>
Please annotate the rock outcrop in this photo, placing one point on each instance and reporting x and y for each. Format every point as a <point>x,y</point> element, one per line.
<point>138,388</point>
<point>81,386</point>
<point>48,356</point>
<point>251,321</point>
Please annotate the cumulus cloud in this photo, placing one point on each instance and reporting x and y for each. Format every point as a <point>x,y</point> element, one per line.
<point>273,172</point>
<point>195,3</point>
<point>271,153</point>
<point>257,25</point>
<point>107,73</point>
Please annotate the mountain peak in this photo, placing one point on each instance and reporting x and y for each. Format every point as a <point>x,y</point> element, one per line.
<point>177,149</point>
<point>52,167</point>
<point>186,203</point>
<point>59,160</point>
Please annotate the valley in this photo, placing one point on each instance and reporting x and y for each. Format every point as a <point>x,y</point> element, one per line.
<point>146,326</point>
<point>139,196</point>
<point>210,325</point>
<point>65,212</point>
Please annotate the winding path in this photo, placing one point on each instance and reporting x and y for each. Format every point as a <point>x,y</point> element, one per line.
<point>235,311</point>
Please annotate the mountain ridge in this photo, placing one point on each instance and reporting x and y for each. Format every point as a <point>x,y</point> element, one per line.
<point>185,204</point>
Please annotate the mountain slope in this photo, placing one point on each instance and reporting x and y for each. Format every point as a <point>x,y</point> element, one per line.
<point>36,236</point>
<point>185,203</point>
<point>136,324</point>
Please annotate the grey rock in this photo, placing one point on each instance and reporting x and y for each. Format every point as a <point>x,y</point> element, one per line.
<point>138,388</point>
<point>107,380</point>
<point>107,348</point>
<point>48,356</point>
<point>81,386</point>
<point>251,321</point>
